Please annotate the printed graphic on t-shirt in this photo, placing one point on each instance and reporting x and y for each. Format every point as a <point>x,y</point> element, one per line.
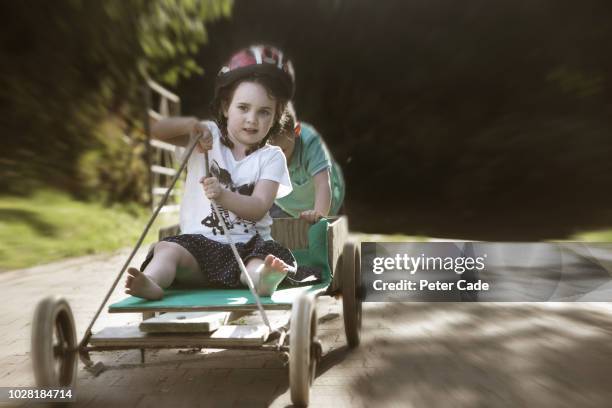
<point>212,221</point>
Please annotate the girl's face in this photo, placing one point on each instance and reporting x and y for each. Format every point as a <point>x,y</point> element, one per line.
<point>250,114</point>
<point>286,141</point>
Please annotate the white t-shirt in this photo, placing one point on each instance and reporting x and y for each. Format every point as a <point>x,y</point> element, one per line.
<point>197,215</point>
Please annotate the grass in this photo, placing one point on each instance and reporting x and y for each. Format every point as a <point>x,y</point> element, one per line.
<point>51,225</point>
<point>593,236</point>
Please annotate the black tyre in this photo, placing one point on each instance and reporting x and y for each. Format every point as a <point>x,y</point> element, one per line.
<point>54,344</point>
<point>351,292</point>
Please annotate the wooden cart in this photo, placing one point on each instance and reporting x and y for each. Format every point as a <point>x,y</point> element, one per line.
<point>55,347</point>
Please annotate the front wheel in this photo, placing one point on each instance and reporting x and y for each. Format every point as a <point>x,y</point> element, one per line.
<point>54,343</point>
<point>303,349</point>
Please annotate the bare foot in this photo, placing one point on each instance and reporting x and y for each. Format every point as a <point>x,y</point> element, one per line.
<point>271,273</point>
<point>140,285</point>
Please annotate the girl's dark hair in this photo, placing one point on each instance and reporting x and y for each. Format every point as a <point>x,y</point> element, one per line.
<point>224,96</point>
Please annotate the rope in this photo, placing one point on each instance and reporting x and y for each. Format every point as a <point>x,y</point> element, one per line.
<point>236,255</point>
<point>142,237</point>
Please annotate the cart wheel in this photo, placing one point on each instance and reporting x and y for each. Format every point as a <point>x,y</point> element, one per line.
<point>54,343</point>
<point>351,292</point>
<point>303,351</point>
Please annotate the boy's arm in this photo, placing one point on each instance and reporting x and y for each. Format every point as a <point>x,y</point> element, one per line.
<point>175,130</point>
<point>253,207</point>
<point>322,204</point>
<point>322,192</point>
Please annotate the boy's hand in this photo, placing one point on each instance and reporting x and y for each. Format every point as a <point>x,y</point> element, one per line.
<point>212,188</point>
<point>311,216</point>
<point>206,141</point>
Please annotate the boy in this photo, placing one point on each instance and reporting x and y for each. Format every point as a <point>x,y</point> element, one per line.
<point>318,184</point>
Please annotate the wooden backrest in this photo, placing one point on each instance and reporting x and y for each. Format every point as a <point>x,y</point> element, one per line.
<point>291,233</point>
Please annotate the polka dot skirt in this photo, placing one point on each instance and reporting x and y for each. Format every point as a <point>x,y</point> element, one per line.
<point>216,260</point>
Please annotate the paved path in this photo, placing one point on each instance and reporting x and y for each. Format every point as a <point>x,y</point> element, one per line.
<point>412,355</point>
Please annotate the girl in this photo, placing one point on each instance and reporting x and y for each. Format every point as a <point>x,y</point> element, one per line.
<point>247,174</point>
<point>318,185</point>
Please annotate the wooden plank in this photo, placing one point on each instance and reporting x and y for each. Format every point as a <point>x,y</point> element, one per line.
<point>291,232</point>
<point>163,145</point>
<point>163,91</point>
<point>229,308</point>
<point>183,322</point>
<point>163,170</point>
<point>169,231</point>
<point>277,319</point>
<point>245,335</point>
<point>337,235</point>
<point>162,191</point>
<point>131,336</point>
<point>336,238</point>
<point>147,315</point>
<point>170,208</point>
<point>164,109</point>
<point>234,316</point>
<point>248,331</point>
<point>155,116</point>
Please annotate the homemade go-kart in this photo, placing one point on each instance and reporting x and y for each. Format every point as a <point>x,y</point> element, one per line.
<point>324,245</point>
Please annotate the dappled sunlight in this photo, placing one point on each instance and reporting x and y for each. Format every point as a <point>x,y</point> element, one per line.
<point>490,354</point>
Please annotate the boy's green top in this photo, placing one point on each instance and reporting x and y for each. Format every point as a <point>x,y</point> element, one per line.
<point>310,156</point>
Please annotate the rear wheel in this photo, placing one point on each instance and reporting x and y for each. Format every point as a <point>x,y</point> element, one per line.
<point>54,343</point>
<point>351,293</point>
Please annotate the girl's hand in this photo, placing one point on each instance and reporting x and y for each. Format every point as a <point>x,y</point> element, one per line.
<point>311,216</point>
<point>206,141</point>
<point>212,188</point>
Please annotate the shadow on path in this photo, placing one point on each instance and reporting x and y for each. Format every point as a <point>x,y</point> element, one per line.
<point>488,355</point>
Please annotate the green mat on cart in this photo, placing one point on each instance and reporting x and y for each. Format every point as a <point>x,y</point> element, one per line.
<point>180,299</point>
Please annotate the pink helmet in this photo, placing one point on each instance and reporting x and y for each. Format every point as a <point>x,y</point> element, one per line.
<point>258,59</point>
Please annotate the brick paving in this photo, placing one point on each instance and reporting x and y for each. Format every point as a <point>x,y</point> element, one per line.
<point>412,355</point>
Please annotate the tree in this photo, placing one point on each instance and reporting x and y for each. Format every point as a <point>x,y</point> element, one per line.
<point>67,65</point>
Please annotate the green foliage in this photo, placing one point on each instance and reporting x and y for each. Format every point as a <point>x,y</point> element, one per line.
<point>173,32</point>
<point>68,65</point>
<point>593,236</point>
<point>114,171</point>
